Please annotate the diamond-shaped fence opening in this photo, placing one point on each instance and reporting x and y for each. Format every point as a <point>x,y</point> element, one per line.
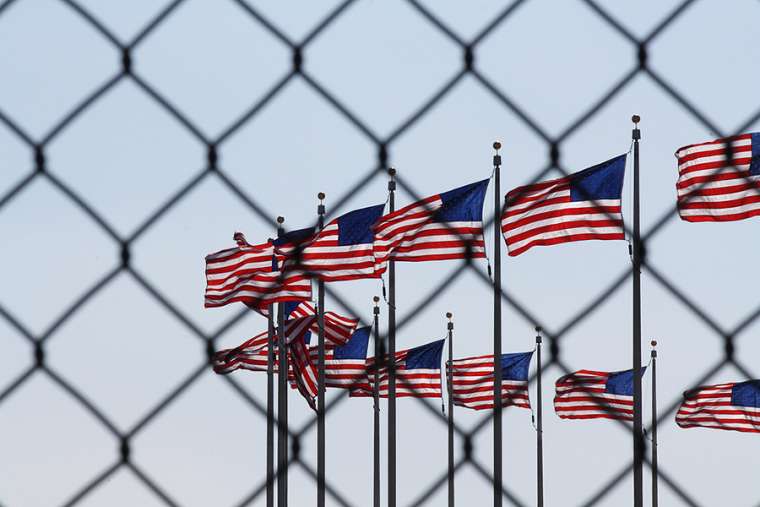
<point>135,139</point>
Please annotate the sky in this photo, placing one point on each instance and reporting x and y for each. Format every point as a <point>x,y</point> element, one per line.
<point>125,156</point>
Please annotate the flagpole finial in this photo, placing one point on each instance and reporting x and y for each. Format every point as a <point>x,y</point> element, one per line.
<point>636,118</point>
<point>449,315</point>
<point>497,145</point>
<point>280,219</point>
<point>538,334</point>
<point>321,196</point>
<point>653,343</point>
<point>654,350</point>
<point>376,300</point>
<point>392,172</point>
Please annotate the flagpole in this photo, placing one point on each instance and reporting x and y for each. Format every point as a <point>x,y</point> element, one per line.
<point>655,474</point>
<point>282,400</point>
<point>392,354</point>
<point>539,425</point>
<point>497,473</point>
<point>638,439</point>
<point>376,396</point>
<point>321,372</point>
<point>449,374</point>
<point>270,407</point>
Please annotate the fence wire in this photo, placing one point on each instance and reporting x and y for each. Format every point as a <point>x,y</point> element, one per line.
<point>38,148</point>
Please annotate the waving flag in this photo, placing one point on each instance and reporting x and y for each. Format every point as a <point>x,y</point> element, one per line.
<point>227,267</point>
<point>472,381</point>
<point>732,406</point>
<point>338,329</point>
<point>587,394</point>
<point>343,250</point>
<point>251,275</point>
<point>303,370</point>
<point>250,355</point>
<point>582,206</point>
<point>300,317</point>
<point>718,180</point>
<point>443,226</point>
<point>418,373</point>
<point>345,365</point>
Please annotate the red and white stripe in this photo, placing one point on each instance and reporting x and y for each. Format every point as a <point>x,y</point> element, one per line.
<point>330,261</point>
<point>472,385</point>
<point>713,187</point>
<point>583,395</point>
<point>416,383</point>
<point>711,407</point>
<point>303,370</point>
<point>341,373</point>
<point>228,269</point>
<point>252,354</point>
<point>338,329</point>
<point>259,290</point>
<point>410,234</point>
<point>544,214</point>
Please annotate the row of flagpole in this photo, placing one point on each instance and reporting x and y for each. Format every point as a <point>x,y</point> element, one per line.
<point>379,353</point>
<point>282,412</point>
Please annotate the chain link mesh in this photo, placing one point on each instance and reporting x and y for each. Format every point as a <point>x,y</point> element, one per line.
<point>39,342</point>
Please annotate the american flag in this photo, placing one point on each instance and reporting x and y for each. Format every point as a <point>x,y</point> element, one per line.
<point>338,328</point>
<point>345,365</point>
<point>582,206</point>
<point>730,406</point>
<point>343,250</point>
<point>472,381</point>
<point>439,227</point>
<point>418,373</point>
<point>303,370</point>
<point>250,274</point>
<point>714,187</point>
<point>587,394</point>
<point>252,354</point>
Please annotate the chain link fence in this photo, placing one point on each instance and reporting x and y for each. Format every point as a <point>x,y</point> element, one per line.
<point>236,325</point>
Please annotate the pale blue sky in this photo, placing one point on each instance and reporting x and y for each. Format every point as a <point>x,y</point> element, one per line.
<point>125,155</point>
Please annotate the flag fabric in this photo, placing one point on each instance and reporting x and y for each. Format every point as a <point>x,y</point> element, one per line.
<point>251,275</point>
<point>472,381</point>
<point>418,373</point>
<point>718,180</point>
<point>299,317</point>
<point>444,226</point>
<point>250,355</point>
<point>343,249</point>
<point>587,394</point>
<point>582,206</point>
<point>228,266</point>
<point>338,328</point>
<point>731,406</point>
<point>304,373</point>
<point>345,365</point>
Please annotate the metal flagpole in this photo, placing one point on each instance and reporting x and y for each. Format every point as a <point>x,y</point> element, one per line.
<point>497,475</point>
<point>638,438</point>
<point>655,475</point>
<point>539,425</point>
<point>450,391</point>
<point>376,396</point>
<point>282,401</point>
<point>270,407</point>
<point>321,372</point>
<point>392,355</point>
